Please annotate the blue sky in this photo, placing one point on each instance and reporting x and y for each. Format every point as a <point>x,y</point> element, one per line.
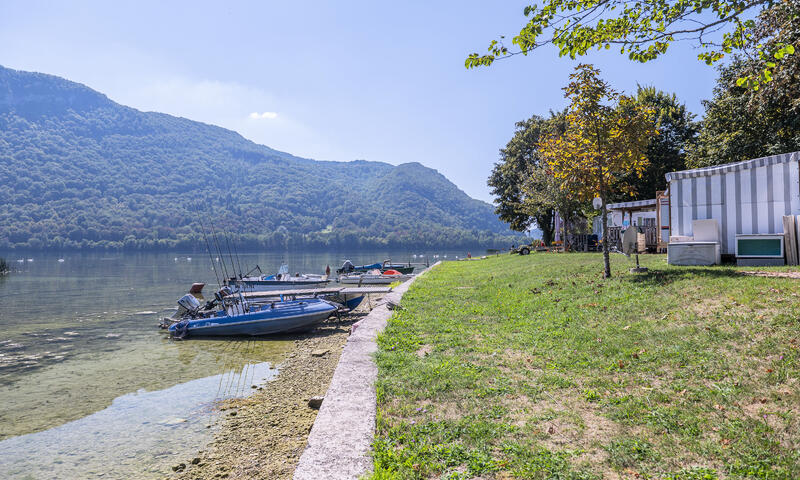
<point>345,80</point>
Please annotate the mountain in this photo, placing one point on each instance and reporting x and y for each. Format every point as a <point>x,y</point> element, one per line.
<point>78,170</point>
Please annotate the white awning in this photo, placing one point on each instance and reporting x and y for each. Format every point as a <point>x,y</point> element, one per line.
<point>733,167</point>
<point>630,205</point>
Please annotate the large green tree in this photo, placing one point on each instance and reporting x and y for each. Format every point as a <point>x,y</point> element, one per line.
<point>666,151</point>
<point>543,193</point>
<point>644,30</point>
<point>518,159</point>
<point>742,123</point>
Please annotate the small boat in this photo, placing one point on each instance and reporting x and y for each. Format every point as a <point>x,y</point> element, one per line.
<point>280,281</point>
<point>224,300</point>
<point>239,318</point>
<point>348,267</point>
<point>347,303</point>
<point>375,277</point>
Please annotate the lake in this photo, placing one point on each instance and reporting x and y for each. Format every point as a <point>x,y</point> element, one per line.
<point>89,386</point>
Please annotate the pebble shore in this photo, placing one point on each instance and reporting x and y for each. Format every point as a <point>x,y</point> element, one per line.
<point>263,436</point>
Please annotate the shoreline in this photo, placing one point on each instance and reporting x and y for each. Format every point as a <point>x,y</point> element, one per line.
<point>264,435</point>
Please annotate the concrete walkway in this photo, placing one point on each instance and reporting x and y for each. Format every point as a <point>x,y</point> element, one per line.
<point>340,440</point>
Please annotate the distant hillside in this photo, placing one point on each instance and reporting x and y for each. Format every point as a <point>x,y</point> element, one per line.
<point>78,170</point>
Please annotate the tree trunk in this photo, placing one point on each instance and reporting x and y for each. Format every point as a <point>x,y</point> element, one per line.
<point>544,222</point>
<point>566,233</point>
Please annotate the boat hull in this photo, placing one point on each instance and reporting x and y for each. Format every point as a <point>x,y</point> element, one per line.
<point>268,285</point>
<point>402,268</point>
<point>353,303</point>
<point>283,317</point>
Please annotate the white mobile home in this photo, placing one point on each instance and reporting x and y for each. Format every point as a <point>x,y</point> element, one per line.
<point>745,198</point>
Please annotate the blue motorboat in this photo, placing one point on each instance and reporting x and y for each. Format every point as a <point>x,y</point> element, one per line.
<point>239,318</point>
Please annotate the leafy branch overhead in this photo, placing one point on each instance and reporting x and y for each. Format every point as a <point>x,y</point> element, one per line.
<point>645,29</point>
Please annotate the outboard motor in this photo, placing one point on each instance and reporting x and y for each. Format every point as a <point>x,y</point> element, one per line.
<point>187,304</point>
<point>347,267</point>
<point>223,292</point>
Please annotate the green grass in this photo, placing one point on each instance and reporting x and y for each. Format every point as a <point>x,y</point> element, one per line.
<point>535,367</point>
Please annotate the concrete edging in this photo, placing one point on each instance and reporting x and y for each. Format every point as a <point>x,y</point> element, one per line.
<point>340,441</point>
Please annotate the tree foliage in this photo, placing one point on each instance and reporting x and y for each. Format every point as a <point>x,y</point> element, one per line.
<point>518,160</point>
<point>544,192</point>
<point>603,144</point>
<point>644,30</point>
<point>667,151</point>
<point>80,171</point>
<point>742,123</point>
<point>527,194</point>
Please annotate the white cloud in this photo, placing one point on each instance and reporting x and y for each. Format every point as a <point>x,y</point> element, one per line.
<point>258,116</point>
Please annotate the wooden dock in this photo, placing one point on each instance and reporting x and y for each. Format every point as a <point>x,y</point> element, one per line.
<point>313,292</point>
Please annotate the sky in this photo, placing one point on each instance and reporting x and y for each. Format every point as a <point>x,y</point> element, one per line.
<point>329,80</point>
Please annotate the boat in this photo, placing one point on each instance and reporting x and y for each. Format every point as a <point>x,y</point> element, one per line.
<point>238,317</point>
<point>375,277</point>
<point>280,281</point>
<point>348,267</point>
<point>190,308</point>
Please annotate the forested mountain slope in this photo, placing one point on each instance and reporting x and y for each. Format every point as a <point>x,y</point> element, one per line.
<point>78,170</point>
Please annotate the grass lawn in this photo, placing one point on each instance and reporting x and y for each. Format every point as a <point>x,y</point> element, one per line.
<point>535,367</point>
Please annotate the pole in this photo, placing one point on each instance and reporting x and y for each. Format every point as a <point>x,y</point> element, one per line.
<point>211,257</point>
<point>225,234</point>
<point>219,252</point>
<point>236,252</point>
<point>604,214</point>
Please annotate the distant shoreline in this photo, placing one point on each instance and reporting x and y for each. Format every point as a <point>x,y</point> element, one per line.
<point>9,253</point>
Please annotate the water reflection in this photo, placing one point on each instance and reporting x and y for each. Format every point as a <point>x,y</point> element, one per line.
<point>78,334</point>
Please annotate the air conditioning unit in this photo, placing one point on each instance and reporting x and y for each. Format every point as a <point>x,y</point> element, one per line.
<point>759,249</point>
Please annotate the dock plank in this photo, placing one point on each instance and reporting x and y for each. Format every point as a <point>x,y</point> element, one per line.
<point>310,292</point>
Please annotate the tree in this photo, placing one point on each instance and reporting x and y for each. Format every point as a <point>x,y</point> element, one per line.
<point>742,123</point>
<point>543,192</point>
<point>666,151</point>
<point>518,159</point>
<point>604,143</point>
<point>644,29</point>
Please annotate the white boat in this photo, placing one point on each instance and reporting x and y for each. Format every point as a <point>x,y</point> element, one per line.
<point>374,277</point>
<point>281,281</point>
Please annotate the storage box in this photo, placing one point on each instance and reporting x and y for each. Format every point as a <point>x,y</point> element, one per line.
<point>694,253</point>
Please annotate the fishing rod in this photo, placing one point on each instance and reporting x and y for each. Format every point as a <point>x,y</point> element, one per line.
<point>208,249</point>
<point>236,252</point>
<point>233,267</point>
<point>219,252</point>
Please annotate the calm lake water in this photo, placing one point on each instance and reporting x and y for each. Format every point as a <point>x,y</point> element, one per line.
<point>90,388</point>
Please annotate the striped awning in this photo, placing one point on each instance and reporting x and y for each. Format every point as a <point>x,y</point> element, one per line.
<point>631,205</point>
<point>733,167</point>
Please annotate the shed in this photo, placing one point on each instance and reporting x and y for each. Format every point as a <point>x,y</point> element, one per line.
<point>639,212</point>
<point>642,213</point>
<point>749,197</point>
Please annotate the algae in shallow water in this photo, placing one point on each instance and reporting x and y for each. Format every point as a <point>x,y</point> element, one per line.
<point>140,435</point>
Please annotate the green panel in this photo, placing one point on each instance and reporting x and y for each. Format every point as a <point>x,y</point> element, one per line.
<point>759,246</point>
